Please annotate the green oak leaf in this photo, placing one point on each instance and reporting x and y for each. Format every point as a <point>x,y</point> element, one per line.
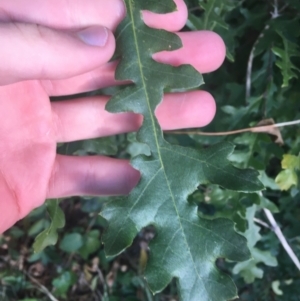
<point>249,269</point>
<point>213,12</point>
<point>213,18</point>
<point>284,62</point>
<point>288,176</point>
<point>49,236</point>
<point>186,246</point>
<point>290,162</point>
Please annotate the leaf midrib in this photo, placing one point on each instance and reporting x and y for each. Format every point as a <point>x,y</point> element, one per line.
<point>155,134</point>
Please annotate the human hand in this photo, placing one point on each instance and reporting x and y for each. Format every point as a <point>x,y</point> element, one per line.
<point>51,48</point>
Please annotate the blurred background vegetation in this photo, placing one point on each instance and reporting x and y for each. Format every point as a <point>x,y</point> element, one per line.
<point>257,83</point>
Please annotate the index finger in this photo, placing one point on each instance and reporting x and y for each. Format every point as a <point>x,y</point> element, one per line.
<point>63,14</point>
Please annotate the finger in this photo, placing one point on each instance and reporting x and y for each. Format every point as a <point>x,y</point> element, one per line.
<point>101,77</point>
<point>59,14</point>
<point>93,175</point>
<point>171,22</point>
<point>31,51</point>
<point>204,50</point>
<point>186,110</point>
<point>87,118</point>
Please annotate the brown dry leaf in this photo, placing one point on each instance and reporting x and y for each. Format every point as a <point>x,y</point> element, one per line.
<point>36,270</point>
<point>111,276</point>
<point>267,126</point>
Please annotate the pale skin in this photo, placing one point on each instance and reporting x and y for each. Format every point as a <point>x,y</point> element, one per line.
<point>43,54</point>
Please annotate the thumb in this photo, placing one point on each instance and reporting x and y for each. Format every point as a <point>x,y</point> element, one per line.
<point>31,51</point>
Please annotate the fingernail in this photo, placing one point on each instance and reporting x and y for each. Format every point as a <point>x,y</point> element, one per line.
<point>121,9</point>
<point>94,36</point>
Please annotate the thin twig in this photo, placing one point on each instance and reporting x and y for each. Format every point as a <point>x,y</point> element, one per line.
<point>269,81</point>
<point>102,281</point>
<point>281,238</point>
<point>195,9</point>
<point>287,123</point>
<point>249,70</point>
<point>42,287</point>
<point>255,129</point>
<point>260,222</point>
<point>275,14</point>
<point>283,8</point>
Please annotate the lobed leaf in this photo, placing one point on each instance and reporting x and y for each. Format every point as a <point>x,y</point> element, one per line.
<point>288,176</point>
<point>49,236</point>
<point>249,269</point>
<point>213,12</point>
<point>284,63</point>
<point>185,246</point>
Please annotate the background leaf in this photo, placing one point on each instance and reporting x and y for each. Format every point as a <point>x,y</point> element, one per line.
<point>49,236</point>
<point>71,242</point>
<point>249,269</point>
<point>285,54</point>
<point>288,177</point>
